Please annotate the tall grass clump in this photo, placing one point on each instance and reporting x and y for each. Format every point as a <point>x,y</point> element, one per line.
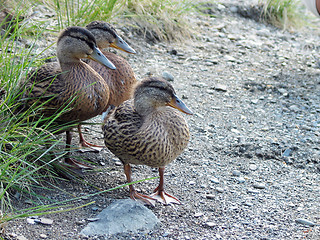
<point>82,12</point>
<point>155,19</point>
<point>284,14</point>
<point>161,19</point>
<point>26,144</point>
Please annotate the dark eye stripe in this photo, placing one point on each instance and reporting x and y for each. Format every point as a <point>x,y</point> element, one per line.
<point>89,43</point>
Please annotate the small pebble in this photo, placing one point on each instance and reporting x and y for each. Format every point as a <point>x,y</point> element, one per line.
<point>173,52</point>
<point>246,223</point>
<point>259,185</point>
<point>294,108</point>
<point>198,214</point>
<point>30,221</point>
<point>305,222</point>
<point>199,84</point>
<point>199,115</point>
<point>232,37</point>
<point>21,238</point>
<point>219,190</point>
<point>249,204</point>
<point>230,58</point>
<point>282,90</point>
<point>209,91</point>
<point>234,9</point>
<point>45,221</point>
<point>43,236</point>
<point>250,190</point>
<point>215,180</point>
<point>81,222</point>
<point>253,167</point>
<point>236,173</point>
<point>118,163</point>
<point>241,179</point>
<point>221,87</point>
<point>168,76</point>
<point>192,183</point>
<point>235,131</point>
<point>287,153</point>
<point>210,224</point>
<point>210,196</point>
<point>254,101</point>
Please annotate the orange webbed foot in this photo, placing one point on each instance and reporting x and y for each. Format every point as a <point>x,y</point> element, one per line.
<point>164,198</point>
<point>146,200</point>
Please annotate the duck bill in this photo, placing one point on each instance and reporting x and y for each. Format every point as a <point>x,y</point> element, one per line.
<point>120,44</point>
<point>99,57</point>
<point>178,104</point>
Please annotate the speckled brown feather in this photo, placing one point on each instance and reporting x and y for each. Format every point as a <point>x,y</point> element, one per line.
<point>153,140</point>
<point>120,81</point>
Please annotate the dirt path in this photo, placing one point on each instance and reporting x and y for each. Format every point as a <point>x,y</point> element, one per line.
<point>253,164</point>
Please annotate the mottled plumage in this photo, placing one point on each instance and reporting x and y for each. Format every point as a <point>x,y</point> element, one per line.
<point>120,81</point>
<point>148,131</point>
<point>70,82</point>
<point>78,88</point>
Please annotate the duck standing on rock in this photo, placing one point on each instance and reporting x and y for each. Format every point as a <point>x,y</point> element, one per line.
<point>147,130</point>
<point>121,80</point>
<point>70,83</point>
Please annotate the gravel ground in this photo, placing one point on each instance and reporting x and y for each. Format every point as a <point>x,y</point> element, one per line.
<point>252,168</point>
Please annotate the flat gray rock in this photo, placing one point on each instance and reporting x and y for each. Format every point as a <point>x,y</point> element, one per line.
<point>122,216</point>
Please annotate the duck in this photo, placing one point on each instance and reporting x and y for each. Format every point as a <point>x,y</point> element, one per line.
<point>69,83</point>
<point>148,130</point>
<point>120,81</point>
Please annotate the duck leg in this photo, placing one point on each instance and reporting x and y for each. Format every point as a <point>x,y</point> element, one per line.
<point>72,163</point>
<point>86,146</point>
<point>133,193</point>
<point>159,193</point>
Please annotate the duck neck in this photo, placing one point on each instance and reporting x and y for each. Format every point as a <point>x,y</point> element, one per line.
<point>144,106</point>
<point>67,59</point>
<point>66,66</point>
